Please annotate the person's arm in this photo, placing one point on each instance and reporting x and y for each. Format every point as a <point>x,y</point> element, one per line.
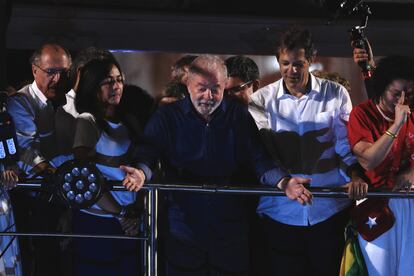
<point>370,155</point>
<point>269,167</point>
<point>147,153</point>
<point>357,186</point>
<point>24,119</point>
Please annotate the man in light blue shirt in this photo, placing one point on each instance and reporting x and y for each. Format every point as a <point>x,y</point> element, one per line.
<point>32,109</point>
<point>303,120</point>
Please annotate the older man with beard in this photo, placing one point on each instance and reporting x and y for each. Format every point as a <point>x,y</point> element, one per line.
<point>204,139</point>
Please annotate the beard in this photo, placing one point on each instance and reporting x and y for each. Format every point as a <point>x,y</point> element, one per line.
<point>206,108</point>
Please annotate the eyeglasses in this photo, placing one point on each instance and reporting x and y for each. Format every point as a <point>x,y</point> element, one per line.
<point>50,72</point>
<point>112,81</point>
<point>237,88</point>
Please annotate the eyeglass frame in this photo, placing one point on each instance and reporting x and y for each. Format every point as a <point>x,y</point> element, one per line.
<point>51,72</point>
<point>238,88</point>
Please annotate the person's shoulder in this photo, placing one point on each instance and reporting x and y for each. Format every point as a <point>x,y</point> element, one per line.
<point>22,92</point>
<point>20,97</point>
<point>171,107</point>
<point>270,88</point>
<point>234,105</point>
<point>331,85</point>
<point>86,116</point>
<point>365,107</point>
<point>332,90</point>
<point>266,92</point>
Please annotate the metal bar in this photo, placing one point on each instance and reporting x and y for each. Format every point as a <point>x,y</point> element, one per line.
<point>153,232</point>
<point>271,191</point>
<point>62,235</point>
<point>7,247</point>
<point>234,189</point>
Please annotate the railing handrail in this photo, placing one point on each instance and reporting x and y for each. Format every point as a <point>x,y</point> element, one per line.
<point>331,192</point>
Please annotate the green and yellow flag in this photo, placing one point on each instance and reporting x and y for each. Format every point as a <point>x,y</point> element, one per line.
<point>352,263</point>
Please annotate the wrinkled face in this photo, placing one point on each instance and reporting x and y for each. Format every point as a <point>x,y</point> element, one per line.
<point>111,88</point>
<point>294,67</point>
<point>206,91</point>
<point>393,92</point>
<point>50,72</point>
<point>239,89</point>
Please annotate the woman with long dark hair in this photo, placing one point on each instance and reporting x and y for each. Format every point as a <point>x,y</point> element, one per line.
<point>102,137</point>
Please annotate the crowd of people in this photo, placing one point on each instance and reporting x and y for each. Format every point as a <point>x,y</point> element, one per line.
<point>214,124</point>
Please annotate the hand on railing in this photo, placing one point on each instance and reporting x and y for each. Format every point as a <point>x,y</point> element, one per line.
<point>134,178</point>
<point>405,181</point>
<point>129,218</point>
<point>9,177</point>
<point>130,226</point>
<point>357,188</point>
<point>295,189</point>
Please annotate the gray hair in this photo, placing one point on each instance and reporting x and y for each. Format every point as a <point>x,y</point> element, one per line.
<point>207,65</point>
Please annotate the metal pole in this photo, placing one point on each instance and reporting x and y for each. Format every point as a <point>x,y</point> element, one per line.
<point>62,235</point>
<point>332,192</point>
<point>153,197</point>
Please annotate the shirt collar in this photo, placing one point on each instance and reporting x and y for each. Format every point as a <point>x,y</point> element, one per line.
<point>71,94</point>
<point>39,93</point>
<point>315,87</point>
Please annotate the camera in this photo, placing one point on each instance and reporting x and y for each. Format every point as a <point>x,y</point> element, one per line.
<point>357,35</point>
<point>359,40</point>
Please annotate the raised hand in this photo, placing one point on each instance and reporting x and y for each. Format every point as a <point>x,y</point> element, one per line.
<point>401,110</point>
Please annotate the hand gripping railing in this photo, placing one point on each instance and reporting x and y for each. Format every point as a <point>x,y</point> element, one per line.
<point>151,236</point>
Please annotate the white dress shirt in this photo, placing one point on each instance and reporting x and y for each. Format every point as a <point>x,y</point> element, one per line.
<point>310,136</point>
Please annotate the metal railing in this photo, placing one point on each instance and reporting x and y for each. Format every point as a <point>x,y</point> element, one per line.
<point>150,237</point>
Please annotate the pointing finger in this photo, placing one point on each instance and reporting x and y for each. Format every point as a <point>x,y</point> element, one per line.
<point>401,100</point>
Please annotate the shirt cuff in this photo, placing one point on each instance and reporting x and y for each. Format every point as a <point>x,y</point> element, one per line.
<point>273,176</point>
<point>147,171</point>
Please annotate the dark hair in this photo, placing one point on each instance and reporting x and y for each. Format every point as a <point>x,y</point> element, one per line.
<point>87,100</point>
<point>138,102</point>
<point>243,68</point>
<point>173,89</point>
<point>333,76</point>
<point>86,55</point>
<point>389,69</point>
<point>35,57</point>
<point>177,69</point>
<point>297,38</point>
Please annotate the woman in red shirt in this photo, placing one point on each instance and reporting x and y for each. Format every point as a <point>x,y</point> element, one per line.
<point>381,135</point>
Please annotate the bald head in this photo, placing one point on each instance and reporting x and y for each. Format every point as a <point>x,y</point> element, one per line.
<point>50,48</point>
<point>50,64</point>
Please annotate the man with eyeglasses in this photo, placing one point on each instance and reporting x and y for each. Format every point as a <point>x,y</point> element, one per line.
<point>244,78</point>
<point>305,120</point>
<point>32,109</point>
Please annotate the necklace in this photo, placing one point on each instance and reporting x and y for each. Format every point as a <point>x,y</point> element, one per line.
<point>388,119</point>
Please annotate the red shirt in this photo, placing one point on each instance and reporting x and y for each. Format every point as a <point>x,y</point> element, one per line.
<point>367,124</point>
